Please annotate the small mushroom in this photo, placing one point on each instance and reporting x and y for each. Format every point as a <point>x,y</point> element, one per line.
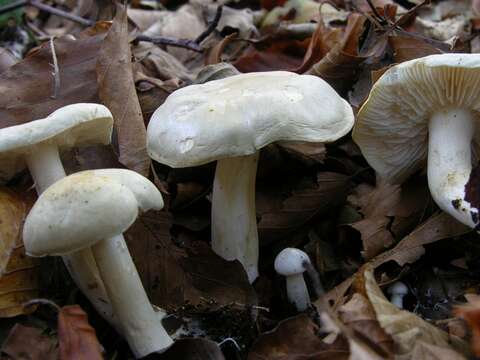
<point>37,145</point>
<point>230,120</point>
<point>292,263</point>
<point>397,291</point>
<point>92,209</point>
<point>426,111</point>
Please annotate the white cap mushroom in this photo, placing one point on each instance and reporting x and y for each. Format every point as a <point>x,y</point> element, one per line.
<point>397,290</point>
<point>426,110</point>
<point>230,120</point>
<point>37,145</point>
<point>292,263</point>
<point>92,209</point>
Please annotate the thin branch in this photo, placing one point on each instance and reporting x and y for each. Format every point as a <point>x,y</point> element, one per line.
<point>56,70</point>
<point>182,43</point>
<point>47,8</point>
<point>211,27</point>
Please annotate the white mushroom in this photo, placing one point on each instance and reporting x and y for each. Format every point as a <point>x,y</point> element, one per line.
<point>92,209</point>
<point>292,263</point>
<point>426,110</point>
<point>230,120</point>
<point>397,290</point>
<point>37,144</point>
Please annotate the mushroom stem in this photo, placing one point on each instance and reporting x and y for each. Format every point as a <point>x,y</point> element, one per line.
<point>234,222</point>
<point>46,168</point>
<point>141,327</point>
<point>449,162</point>
<point>297,291</point>
<point>397,300</point>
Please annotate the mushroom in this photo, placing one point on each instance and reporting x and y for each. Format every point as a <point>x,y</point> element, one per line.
<point>292,263</point>
<point>426,110</point>
<point>397,290</point>
<point>90,210</point>
<point>230,120</point>
<point>36,144</point>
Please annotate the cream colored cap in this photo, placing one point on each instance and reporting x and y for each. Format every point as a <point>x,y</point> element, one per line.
<point>392,125</point>
<point>71,125</point>
<point>86,207</point>
<point>240,114</point>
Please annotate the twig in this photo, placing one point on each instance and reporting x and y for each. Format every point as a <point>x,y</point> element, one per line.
<point>56,70</point>
<point>46,8</point>
<point>211,27</point>
<point>183,43</point>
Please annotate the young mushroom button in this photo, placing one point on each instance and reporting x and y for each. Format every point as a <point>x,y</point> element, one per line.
<point>291,263</point>
<point>426,110</point>
<point>230,120</point>
<point>37,145</point>
<point>92,209</point>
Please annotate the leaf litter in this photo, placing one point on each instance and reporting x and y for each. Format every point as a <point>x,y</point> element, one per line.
<point>362,234</point>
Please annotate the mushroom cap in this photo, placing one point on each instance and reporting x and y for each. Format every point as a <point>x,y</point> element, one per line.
<point>71,125</point>
<point>290,261</point>
<point>392,125</point>
<point>86,207</point>
<point>239,115</point>
<point>398,288</point>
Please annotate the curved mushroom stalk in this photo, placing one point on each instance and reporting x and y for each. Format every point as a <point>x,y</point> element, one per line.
<point>297,292</point>
<point>234,222</point>
<point>449,163</point>
<point>46,168</point>
<point>141,327</point>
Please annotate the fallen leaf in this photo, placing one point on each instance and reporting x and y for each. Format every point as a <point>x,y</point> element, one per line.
<point>191,349</point>
<point>77,339</point>
<point>19,274</point>
<point>192,274</point>
<point>296,339</point>
<point>403,326</point>
<point>359,316</point>
<point>425,351</point>
<point>406,48</point>
<point>470,312</point>
<point>117,91</point>
<point>308,152</point>
<point>303,205</point>
<point>25,342</point>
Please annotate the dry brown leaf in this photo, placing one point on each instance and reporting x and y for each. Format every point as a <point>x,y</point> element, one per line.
<point>25,342</point>
<point>310,153</point>
<point>425,351</point>
<point>359,316</point>
<point>117,91</point>
<point>19,274</point>
<point>403,326</point>
<point>470,312</point>
<point>77,339</point>
<point>316,49</point>
<point>214,54</point>
<point>406,48</point>
<point>340,65</point>
<point>296,339</point>
<point>303,205</point>
<point>193,273</point>
<point>191,349</point>
<point>408,250</point>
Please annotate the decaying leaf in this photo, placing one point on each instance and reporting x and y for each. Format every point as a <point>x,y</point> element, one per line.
<point>77,339</point>
<point>191,349</point>
<point>470,312</point>
<point>26,342</point>
<point>296,339</point>
<point>117,91</point>
<point>193,273</point>
<point>404,327</point>
<point>303,205</point>
<point>19,274</point>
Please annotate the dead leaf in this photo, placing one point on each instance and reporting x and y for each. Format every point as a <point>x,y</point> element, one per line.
<point>470,312</point>
<point>193,273</point>
<point>316,49</point>
<point>19,274</point>
<point>117,91</point>
<point>308,152</point>
<point>425,351</point>
<point>359,316</point>
<point>403,326</point>
<point>191,349</point>
<point>407,48</point>
<point>25,342</point>
<point>303,205</point>
<point>214,54</point>
<point>296,339</point>
<point>77,339</point>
